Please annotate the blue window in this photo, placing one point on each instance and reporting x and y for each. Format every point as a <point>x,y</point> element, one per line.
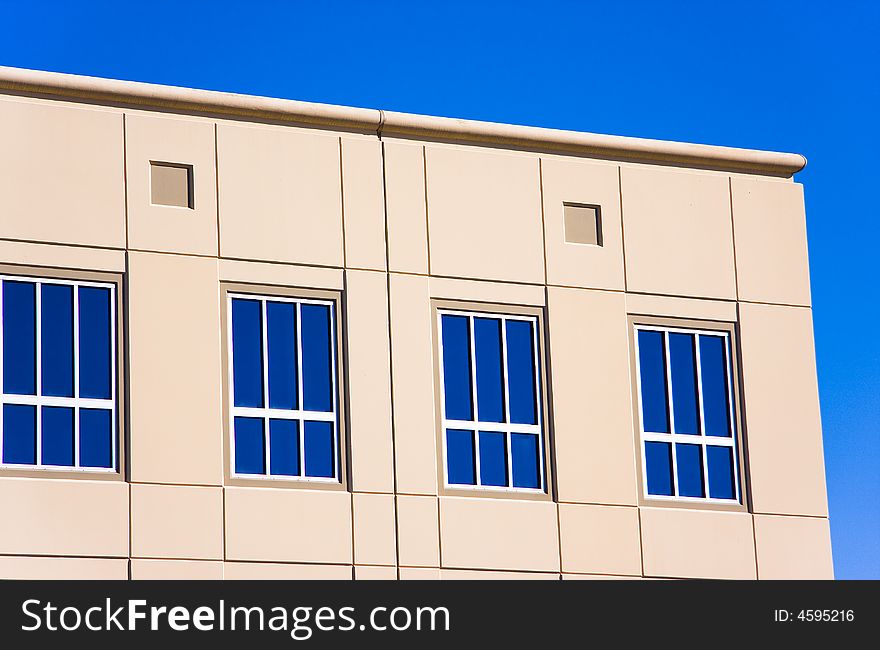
<point>58,374</point>
<point>491,401</point>
<point>686,413</point>
<point>283,384</point>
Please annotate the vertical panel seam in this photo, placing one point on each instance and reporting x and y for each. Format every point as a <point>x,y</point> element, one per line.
<point>346,397</point>
<point>125,178</point>
<point>622,229</point>
<point>427,218</point>
<point>439,535</point>
<point>390,366</point>
<point>733,237</point>
<point>342,201</point>
<point>641,541</point>
<point>123,305</point>
<point>543,216</point>
<point>351,511</point>
<point>130,552</point>
<point>217,183</point>
<point>755,542</point>
<point>559,535</point>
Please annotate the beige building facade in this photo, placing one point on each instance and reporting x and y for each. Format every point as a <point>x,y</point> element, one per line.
<point>345,343</point>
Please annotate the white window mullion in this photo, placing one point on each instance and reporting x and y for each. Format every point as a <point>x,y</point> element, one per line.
<point>669,408</point>
<point>505,395</point>
<point>38,388</point>
<point>703,437</point>
<point>68,402</point>
<point>284,414</point>
<point>300,381</point>
<point>500,427</point>
<point>267,440</point>
<point>475,408</point>
<point>472,345</point>
<point>686,439</point>
<point>264,350</point>
<point>475,433</point>
<point>76,442</point>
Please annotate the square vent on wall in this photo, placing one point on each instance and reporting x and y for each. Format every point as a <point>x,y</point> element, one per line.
<point>171,184</point>
<point>583,224</point>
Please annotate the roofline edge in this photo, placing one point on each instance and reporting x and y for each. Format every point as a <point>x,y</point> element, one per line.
<point>391,123</point>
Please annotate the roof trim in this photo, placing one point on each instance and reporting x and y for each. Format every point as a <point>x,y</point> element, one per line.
<point>69,86</point>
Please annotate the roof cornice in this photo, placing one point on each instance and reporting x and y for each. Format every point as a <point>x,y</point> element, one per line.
<point>390,123</point>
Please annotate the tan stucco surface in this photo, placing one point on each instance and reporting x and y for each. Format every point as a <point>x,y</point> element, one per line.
<point>429,213</point>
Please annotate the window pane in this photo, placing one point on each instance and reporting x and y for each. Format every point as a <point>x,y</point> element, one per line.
<point>284,447</point>
<point>19,434</point>
<point>652,371</point>
<point>684,383</point>
<point>56,334</point>
<point>456,367</point>
<point>721,485</point>
<point>94,343</point>
<point>689,459</point>
<point>247,352</point>
<point>19,338</point>
<point>316,361</point>
<point>319,448</point>
<point>493,458</point>
<point>490,376</point>
<point>57,433</point>
<point>281,335</point>
<point>658,461</point>
<point>521,373</point>
<point>250,452</point>
<point>461,469</point>
<point>95,438</point>
<point>713,364</point>
<point>525,455</point>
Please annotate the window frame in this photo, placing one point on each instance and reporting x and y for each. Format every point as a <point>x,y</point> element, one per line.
<point>737,440</point>
<point>117,401</point>
<point>535,315</point>
<point>270,293</point>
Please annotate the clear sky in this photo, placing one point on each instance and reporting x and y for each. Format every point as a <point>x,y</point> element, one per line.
<point>788,76</point>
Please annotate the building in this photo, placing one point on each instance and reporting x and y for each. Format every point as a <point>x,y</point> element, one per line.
<point>256,338</point>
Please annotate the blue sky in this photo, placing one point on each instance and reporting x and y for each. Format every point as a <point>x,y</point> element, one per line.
<point>788,76</point>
